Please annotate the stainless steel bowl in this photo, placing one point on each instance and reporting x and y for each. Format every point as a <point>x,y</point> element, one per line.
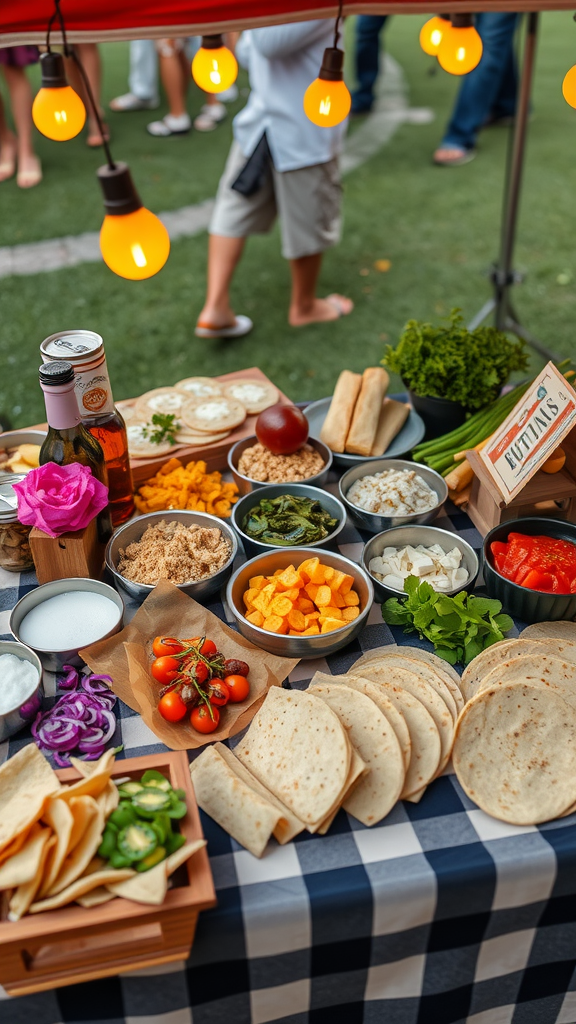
<point>295,646</point>
<point>13,438</point>
<point>329,503</point>
<point>245,484</point>
<point>372,521</point>
<point>400,536</point>
<point>55,660</point>
<point>24,712</point>
<point>132,531</point>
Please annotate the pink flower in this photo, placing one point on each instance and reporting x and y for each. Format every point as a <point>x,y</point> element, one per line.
<point>57,499</point>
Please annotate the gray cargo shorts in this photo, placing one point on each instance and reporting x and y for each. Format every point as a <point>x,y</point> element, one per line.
<point>307,202</point>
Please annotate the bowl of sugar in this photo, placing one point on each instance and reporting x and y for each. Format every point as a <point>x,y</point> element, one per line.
<point>60,618</point>
<point>20,687</point>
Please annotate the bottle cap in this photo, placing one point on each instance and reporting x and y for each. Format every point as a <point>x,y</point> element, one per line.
<point>56,373</point>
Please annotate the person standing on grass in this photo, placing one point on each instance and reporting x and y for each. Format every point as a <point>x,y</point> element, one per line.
<point>279,164</point>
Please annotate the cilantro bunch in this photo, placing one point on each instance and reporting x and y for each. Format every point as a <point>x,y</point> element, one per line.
<point>460,627</point>
<point>453,363</point>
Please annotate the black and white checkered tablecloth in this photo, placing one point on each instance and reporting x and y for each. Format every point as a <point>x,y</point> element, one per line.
<point>438,915</point>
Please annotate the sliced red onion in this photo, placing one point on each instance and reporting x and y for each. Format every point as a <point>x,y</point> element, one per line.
<point>82,719</point>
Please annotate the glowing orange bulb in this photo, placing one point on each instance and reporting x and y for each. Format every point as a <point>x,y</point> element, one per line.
<point>431,35</point>
<point>327,103</point>
<point>569,87</point>
<point>460,50</point>
<point>59,113</point>
<point>134,245</point>
<point>214,70</point>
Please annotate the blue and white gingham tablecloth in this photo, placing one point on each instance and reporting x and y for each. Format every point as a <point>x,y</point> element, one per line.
<point>438,915</point>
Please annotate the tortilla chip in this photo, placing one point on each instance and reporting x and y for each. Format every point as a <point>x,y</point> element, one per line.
<point>61,820</point>
<point>23,866</point>
<point>80,887</point>
<point>78,860</point>
<point>95,897</point>
<point>26,780</point>
<point>15,845</point>
<point>83,809</point>
<point>24,895</point>
<point>94,778</point>
<point>174,861</point>
<point>152,886</point>
<point>108,799</point>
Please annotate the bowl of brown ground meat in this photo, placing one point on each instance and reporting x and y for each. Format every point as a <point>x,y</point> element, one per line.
<point>193,550</point>
<point>252,465</point>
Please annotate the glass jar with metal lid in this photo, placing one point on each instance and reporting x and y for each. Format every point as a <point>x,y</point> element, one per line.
<point>15,554</point>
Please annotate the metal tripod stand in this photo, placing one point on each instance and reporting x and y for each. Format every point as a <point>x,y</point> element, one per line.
<point>503,276</point>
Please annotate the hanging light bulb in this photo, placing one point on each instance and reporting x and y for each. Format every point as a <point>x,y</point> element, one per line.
<point>460,49</point>
<point>214,67</point>
<point>57,111</point>
<point>569,86</point>
<point>327,100</point>
<point>431,34</point>
<point>134,242</point>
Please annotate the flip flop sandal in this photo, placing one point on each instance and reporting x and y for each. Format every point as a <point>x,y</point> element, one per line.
<point>242,325</point>
<point>162,129</point>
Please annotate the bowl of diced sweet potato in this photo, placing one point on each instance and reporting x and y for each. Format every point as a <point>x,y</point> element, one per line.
<point>300,602</point>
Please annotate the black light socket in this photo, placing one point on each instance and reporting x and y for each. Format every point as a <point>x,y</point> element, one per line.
<point>462,20</point>
<point>212,42</point>
<point>57,372</point>
<point>332,69</point>
<point>120,195</point>
<point>52,68</point>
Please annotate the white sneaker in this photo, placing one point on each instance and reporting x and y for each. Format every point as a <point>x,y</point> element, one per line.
<point>229,95</point>
<point>170,125</point>
<point>128,102</point>
<point>210,116</point>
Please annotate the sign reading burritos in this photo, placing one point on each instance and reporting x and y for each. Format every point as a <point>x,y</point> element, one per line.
<point>536,426</point>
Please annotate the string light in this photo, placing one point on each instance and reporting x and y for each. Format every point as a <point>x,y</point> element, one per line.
<point>134,243</point>
<point>327,100</point>
<point>569,86</point>
<point>57,111</point>
<point>460,48</point>
<point>431,34</point>
<point>214,68</point>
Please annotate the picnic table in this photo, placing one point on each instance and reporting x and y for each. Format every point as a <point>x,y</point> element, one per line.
<point>440,914</point>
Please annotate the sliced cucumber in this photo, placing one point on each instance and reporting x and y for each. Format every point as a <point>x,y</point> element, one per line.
<point>137,841</point>
<point>130,788</point>
<point>149,801</point>
<point>156,780</point>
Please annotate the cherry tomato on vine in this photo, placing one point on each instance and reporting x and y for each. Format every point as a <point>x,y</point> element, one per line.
<point>201,672</point>
<point>218,693</point>
<point>172,707</point>
<point>166,645</point>
<point>208,649</point>
<point>238,687</point>
<point>165,669</point>
<point>201,720</point>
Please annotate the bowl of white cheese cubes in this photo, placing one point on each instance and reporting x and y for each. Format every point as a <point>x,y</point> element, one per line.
<point>443,559</point>
<point>20,687</point>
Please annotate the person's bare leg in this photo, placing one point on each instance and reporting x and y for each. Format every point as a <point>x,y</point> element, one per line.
<point>223,257</point>
<point>174,82</point>
<point>89,55</point>
<point>8,147</point>
<point>29,169</point>
<point>305,307</point>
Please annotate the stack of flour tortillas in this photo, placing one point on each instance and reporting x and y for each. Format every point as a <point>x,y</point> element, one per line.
<point>205,411</point>
<point>360,741</point>
<point>515,747</point>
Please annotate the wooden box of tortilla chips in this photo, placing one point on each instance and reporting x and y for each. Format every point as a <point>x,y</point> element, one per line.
<point>81,943</point>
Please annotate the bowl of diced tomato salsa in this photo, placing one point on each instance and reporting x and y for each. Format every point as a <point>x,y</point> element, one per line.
<point>530,566</point>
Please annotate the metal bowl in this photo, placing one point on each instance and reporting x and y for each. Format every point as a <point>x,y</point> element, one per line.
<point>13,438</point>
<point>55,660</point>
<point>329,503</point>
<point>520,602</point>
<point>23,713</point>
<point>400,536</point>
<point>372,521</point>
<point>245,484</point>
<point>296,646</point>
<point>200,590</point>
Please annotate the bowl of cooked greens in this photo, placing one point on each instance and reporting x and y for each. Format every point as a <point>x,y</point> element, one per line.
<point>287,515</point>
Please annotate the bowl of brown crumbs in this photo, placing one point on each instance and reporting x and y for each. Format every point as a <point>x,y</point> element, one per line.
<point>252,465</point>
<point>193,550</point>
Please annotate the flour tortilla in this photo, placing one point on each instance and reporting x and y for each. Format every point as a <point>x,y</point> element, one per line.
<point>199,387</point>
<point>80,887</point>
<point>561,630</point>
<point>358,769</point>
<point>371,734</point>
<point>23,866</point>
<point>505,651</point>
<point>255,395</point>
<point>298,749</point>
<point>210,415</point>
<point>26,782</point>
<point>196,439</point>
<point>544,672</point>
<point>411,652</point>
<point>167,401</point>
<point>24,895</point>
<point>59,816</point>
<point>515,753</point>
<point>83,809</point>
<point>78,860</point>
<point>424,671</point>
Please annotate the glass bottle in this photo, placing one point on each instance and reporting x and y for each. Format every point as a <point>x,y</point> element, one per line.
<point>68,440</point>
<point>85,351</point>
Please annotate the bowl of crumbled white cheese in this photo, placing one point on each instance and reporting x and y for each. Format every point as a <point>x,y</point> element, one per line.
<point>20,687</point>
<point>446,561</point>
<point>392,492</point>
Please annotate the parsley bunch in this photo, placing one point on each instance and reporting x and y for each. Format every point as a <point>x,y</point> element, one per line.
<point>460,627</point>
<point>453,363</point>
<point>162,428</point>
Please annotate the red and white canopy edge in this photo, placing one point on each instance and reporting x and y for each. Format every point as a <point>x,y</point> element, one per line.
<point>25,21</point>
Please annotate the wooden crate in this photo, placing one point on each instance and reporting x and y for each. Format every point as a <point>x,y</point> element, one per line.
<point>76,944</point>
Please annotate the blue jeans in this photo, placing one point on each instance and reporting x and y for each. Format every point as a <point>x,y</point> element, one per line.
<point>490,89</point>
<point>368,28</point>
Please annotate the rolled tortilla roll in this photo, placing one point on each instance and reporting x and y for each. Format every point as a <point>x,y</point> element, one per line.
<point>337,423</point>
<point>393,416</point>
<point>362,432</point>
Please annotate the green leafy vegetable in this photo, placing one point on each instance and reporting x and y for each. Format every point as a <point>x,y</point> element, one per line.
<point>453,363</point>
<point>460,627</point>
<point>288,520</point>
<point>162,428</point>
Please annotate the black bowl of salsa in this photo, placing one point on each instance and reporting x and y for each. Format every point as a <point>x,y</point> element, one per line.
<point>523,600</point>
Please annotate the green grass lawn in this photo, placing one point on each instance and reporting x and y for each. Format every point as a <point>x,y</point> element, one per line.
<point>438,227</point>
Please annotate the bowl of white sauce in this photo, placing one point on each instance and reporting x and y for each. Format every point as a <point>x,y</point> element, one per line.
<point>20,687</point>
<point>58,619</point>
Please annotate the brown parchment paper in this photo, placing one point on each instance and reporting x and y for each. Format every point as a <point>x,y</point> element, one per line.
<point>127,657</point>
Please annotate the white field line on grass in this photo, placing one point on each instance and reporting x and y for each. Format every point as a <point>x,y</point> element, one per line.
<point>390,110</point>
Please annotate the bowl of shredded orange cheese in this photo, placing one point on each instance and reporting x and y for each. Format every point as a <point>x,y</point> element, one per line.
<point>186,487</point>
